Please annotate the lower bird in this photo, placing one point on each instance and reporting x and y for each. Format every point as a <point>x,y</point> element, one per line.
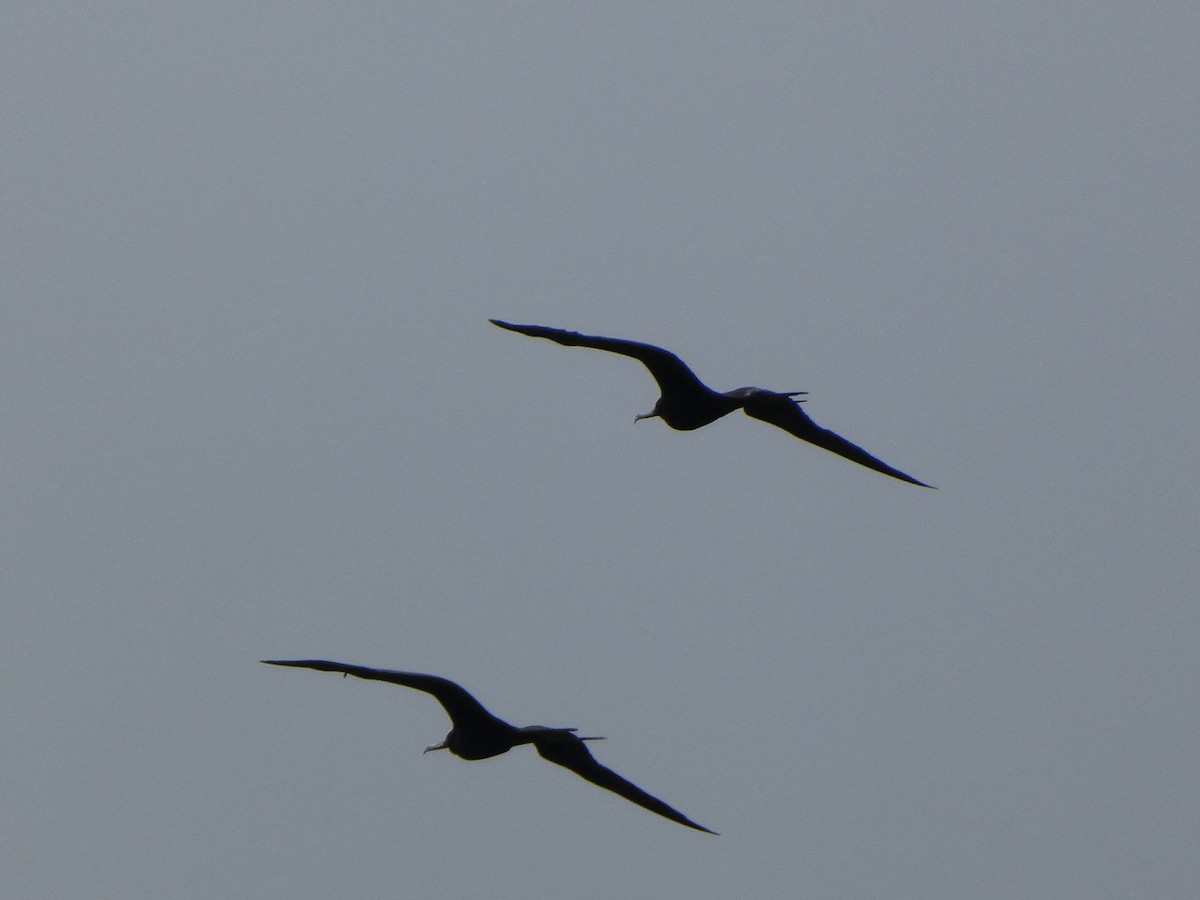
<point>477,734</point>
<point>687,403</point>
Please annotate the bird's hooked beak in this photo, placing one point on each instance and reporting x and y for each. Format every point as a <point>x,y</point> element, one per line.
<point>649,415</point>
<point>441,746</point>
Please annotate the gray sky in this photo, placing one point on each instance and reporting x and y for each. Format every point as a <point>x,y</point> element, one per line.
<point>253,408</point>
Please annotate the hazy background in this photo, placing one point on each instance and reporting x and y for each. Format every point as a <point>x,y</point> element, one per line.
<point>252,408</point>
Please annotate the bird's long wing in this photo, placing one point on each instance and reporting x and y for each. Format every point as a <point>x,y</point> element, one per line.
<point>572,753</point>
<point>785,413</point>
<point>463,709</point>
<point>671,373</point>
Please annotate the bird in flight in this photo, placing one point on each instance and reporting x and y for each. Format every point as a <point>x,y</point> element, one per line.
<point>477,734</point>
<point>687,403</point>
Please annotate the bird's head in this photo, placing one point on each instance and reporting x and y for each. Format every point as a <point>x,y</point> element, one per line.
<point>653,414</point>
<point>444,745</point>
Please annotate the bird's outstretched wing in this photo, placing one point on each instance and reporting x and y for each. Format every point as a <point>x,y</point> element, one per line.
<point>572,753</point>
<point>463,709</point>
<point>785,413</point>
<point>671,373</point>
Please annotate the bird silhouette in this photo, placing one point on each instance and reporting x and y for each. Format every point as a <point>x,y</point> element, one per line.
<point>687,403</point>
<point>477,734</point>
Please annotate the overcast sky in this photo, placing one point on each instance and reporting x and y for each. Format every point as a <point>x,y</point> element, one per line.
<point>252,408</point>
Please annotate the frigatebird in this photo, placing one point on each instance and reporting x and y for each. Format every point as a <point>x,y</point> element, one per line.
<point>477,734</point>
<point>687,403</point>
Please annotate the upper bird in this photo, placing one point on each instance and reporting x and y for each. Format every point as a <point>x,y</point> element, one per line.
<point>687,403</point>
<point>477,734</point>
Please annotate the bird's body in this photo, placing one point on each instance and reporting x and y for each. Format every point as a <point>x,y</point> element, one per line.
<point>477,734</point>
<point>686,403</point>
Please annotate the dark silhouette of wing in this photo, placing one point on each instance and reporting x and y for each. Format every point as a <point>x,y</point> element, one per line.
<point>464,710</point>
<point>785,413</point>
<point>671,373</point>
<point>572,753</point>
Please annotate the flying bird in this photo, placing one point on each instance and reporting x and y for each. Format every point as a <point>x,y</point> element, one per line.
<point>687,403</point>
<point>477,734</point>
